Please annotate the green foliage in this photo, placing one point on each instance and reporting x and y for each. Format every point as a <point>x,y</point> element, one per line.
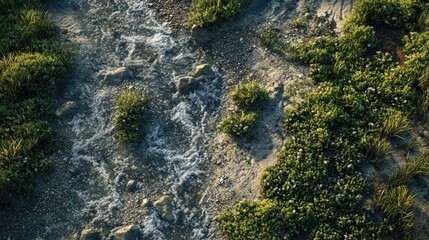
<point>32,62</point>
<point>129,115</point>
<point>404,174</point>
<point>362,98</point>
<point>238,124</point>
<point>271,39</point>
<point>249,95</point>
<point>206,13</point>
<point>397,206</point>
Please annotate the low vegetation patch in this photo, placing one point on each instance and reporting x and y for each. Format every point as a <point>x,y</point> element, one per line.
<point>205,13</point>
<point>249,97</point>
<point>362,99</point>
<point>32,63</point>
<point>129,115</point>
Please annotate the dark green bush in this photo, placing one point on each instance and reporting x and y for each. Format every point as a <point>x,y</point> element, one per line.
<point>129,115</point>
<point>238,124</point>
<point>249,95</point>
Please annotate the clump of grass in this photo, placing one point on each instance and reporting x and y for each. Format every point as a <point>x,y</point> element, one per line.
<point>377,149</point>
<point>238,124</point>
<point>205,13</point>
<point>394,125</point>
<point>396,205</point>
<point>404,174</point>
<point>271,38</point>
<point>129,115</point>
<point>249,95</point>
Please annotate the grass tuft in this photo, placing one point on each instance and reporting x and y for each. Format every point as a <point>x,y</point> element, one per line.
<point>397,206</point>
<point>404,174</point>
<point>238,124</point>
<point>249,95</point>
<point>129,115</point>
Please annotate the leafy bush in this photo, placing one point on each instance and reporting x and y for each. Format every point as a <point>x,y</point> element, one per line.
<point>129,115</point>
<point>249,96</point>
<point>206,13</point>
<point>238,124</point>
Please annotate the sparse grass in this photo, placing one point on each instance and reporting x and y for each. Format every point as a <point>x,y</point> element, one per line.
<point>129,115</point>
<point>249,95</point>
<point>238,124</point>
<point>205,13</point>
<point>271,38</point>
<point>396,205</point>
<point>405,173</point>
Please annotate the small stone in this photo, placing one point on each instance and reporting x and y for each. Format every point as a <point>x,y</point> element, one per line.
<point>129,232</point>
<point>187,84</point>
<point>164,206</point>
<point>90,234</point>
<point>131,186</point>
<point>204,70</point>
<point>146,203</point>
<point>199,34</point>
<point>118,74</point>
<point>68,109</point>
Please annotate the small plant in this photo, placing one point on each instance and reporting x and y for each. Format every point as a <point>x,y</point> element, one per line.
<point>271,39</point>
<point>395,124</point>
<point>129,115</point>
<point>377,149</point>
<point>238,124</point>
<point>206,13</point>
<point>249,96</point>
<point>404,174</point>
<point>397,206</point>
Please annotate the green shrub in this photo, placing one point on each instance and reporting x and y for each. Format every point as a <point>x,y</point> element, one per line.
<point>249,96</point>
<point>205,13</point>
<point>397,206</point>
<point>129,115</point>
<point>238,124</point>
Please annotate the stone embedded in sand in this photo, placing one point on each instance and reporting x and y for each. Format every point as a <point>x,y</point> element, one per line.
<point>90,234</point>
<point>118,74</point>
<point>67,109</point>
<point>146,203</point>
<point>187,84</point>
<point>129,232</point>
<point>204,70</point>
<point>164,206</point>
<point>131,186</point>
<point>199,34</point>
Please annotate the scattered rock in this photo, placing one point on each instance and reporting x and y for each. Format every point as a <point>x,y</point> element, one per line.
<point>187,84</point>
<point>90,234</point>
<point>146,203</point>
<point>118,74</point>
<point>129,232</point>
<point>131,186</point>
<point>199,34</point>
<point>67,109</point>
<point>204,70</point>
<point>164,206</point>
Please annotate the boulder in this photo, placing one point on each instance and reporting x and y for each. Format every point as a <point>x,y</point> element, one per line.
<point>118,74</point>
<point>129,232</point>
<point>204,70</point>
<point>131,186</point>
<point>164,205</point>
<point>90,234</point>
<point>68,109</point>
<point>187,84</point>
<point>200,35</point>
